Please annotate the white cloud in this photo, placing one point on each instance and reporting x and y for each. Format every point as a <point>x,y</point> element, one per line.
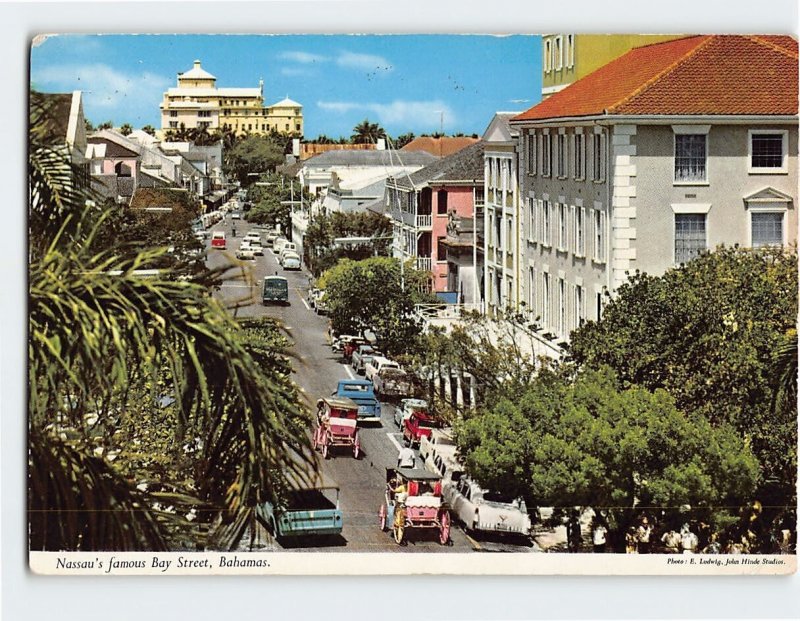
<point>398,112</point>
<point>303,57</point>
<point>363,61</point>
<point>102,86</point>
<point>296,71</point>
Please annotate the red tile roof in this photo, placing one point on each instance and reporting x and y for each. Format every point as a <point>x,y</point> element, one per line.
<point>441,147</point>
<point>701,75</point>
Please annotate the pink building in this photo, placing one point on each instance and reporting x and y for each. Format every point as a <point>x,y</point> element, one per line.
<point>424,203</point>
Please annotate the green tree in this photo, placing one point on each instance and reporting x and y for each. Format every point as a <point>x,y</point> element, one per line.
<point>252,156</point>
<point>374,294</point>
<point>583,441</point>
<point>126,129</point>
<point>106,125</point>
<point>149,129</point>
<point>105,346</point>
<point>403,139</point>
<point>320,253</point>
<point>708,333</point>
<point>88,126</point>
<point>366,132</point>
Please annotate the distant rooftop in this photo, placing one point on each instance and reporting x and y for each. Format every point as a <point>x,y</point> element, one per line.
<point>196,73</point>
<point>371,158</point>
<point>463,166</point>
<point>440,147</point>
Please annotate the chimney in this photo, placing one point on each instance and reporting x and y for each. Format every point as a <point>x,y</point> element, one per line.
<point>296,147</point>
<point>381,145</point>
<point>196,64</point>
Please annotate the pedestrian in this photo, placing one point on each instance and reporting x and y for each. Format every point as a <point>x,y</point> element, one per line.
<point>574,537</point>
<point>599,533</point>
<point>672,541</point>
<point>406,458</point>
<point>689,540</point>
<point>630,541</point>
<point>643,536</point>
<point>713,546</point>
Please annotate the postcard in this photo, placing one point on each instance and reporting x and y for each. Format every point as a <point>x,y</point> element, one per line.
<point>311,304</point>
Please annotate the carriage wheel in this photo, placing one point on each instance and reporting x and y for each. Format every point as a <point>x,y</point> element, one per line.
<point>356,447</point>
<point>382,515</point>
<point>324,442</point>
<point>444,529</point>
<point>399,532</point>
<point>315,438</point>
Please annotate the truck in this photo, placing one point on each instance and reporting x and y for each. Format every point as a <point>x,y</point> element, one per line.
<point>392,383</point>
<point>276,289</point>
<point>363,393</point>
<point>378,363</point>
<point>311,508</point>
<point>419,425</point>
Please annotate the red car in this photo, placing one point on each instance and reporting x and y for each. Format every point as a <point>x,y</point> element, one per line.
<point>419,424</point>
<point>218,240</point>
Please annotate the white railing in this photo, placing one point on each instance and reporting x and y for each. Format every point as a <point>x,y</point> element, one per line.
<point>424,221</point>
<point>445,311</point>
<point>424,264</point>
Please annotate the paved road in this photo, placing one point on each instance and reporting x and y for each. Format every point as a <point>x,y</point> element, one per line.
<point>317,370</point>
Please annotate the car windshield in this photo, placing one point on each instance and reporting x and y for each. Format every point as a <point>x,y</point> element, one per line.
<point>499,497</point>
<point>356,387</point>
<point>427,423</point>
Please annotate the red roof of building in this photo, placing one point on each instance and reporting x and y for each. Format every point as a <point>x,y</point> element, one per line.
<point>701,75</point>
<point>441,147</point>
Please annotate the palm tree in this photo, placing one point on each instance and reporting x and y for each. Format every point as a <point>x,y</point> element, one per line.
<point>126,129</point>
<point>114,464</point>
<point>149,129</point>
<point>367,133</point>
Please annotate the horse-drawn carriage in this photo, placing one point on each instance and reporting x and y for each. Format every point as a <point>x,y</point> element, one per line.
<point>337,419</point>
<point>413,499</point>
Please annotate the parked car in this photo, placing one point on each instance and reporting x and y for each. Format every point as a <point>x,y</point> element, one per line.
<point>350,345</point>
<point>321,305</point>
<point>235,215</point>
<point>257,247</point>
<point>201,235</point>
<point>290,261</point>
<point>252,235</point>
<point>287,247</point>
<point>278,243</point>
<point>271,237</point>
<point>418,425</point>
<point>376,364</point>
<point>483,510</point>
<point>362,392</point>
<point>245,252</point>
<point>407,408</point>
<point>338,341</point>
<point>276,289</point>
<point>218,240</point>
<point>310,509</point>
<point>439,442</point>
<point>361,356</point>
<point>392,383</point>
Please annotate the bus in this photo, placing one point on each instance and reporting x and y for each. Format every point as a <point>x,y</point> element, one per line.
<point>276,289</point>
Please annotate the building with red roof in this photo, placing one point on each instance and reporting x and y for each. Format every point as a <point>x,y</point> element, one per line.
<point>441,146</point>
<point>668,151</point>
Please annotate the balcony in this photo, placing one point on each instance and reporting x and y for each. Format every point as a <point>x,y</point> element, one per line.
<point>424,264</point>
<point>424,221</point>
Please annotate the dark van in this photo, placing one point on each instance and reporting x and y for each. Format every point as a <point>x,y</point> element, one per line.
<point>276,290</point>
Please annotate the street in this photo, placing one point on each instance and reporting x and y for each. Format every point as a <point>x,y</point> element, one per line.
<point>316,371</point>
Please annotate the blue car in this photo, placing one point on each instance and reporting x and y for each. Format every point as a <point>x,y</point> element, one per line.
<point>363,393</point>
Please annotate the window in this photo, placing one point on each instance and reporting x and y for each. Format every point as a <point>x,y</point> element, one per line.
<point>498,231</point>
<point>597,157</point>
<point>768,151</point>
<point>561,156</point>
<point>562,226</point>
<point>250,127</point>
<point>441,202</point>
<point>173,124</point>
<point>531,289</point>
<point>578,153</point>
<point>204,113</point>
<point>766,228</point>
<point>173,113</point>
<point>532,220</point>
<point>598,305</point>
<point>570,51</point>
<point>599,246</point>
<point>545,314</point>
<point>580,313</point>
<point>441,249</point>
<point>690,236</point>
<point>562,306</point>
<point>547,154</point>
<point>287,127</point>
<point>509,236</point>
<point>546,238</point>
<point>297,127</point>
<point>690,158</point>
<point>559,53</point>
<point>531,144</point>
<point>548,55</point>
<point>580,240</point>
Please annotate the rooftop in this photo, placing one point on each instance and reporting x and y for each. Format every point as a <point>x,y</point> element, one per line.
<point>286,103</point>
<point>441,147</point>
<point>196,73</point>
<point>465,165</point>
<point>342,157</point>
<point>698,75</point>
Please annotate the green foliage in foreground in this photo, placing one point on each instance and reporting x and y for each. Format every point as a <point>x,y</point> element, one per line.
<point>584,441</point>
<point>318,245</point>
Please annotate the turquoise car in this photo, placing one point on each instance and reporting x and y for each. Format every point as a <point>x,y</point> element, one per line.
<point>312,510</point>
<point>363,393</point>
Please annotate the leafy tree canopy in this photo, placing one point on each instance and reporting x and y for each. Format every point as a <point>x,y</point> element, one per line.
<point>369,294</point>
<point>584,441</point>
<point>366,132</point>
<point>252,156</point>
<point>126,129</point>
<point>323,229</point>
<point>708,333</point>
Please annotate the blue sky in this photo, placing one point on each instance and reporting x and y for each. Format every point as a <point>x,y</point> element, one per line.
<point>405,83</point>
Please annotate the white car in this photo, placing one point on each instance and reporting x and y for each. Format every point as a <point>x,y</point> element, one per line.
<point>439,443</point>
<point>245,251</point>
<point>257,247</point>
<point>483,510</point>
<point>378,363</point>
<point>277,245</point>
<point>287,247</point>
<point>290,261</point>
<point>252,235</point>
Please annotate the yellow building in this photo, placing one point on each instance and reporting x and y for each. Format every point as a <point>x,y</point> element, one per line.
<point>569,57</point>
<point>198,102</point>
